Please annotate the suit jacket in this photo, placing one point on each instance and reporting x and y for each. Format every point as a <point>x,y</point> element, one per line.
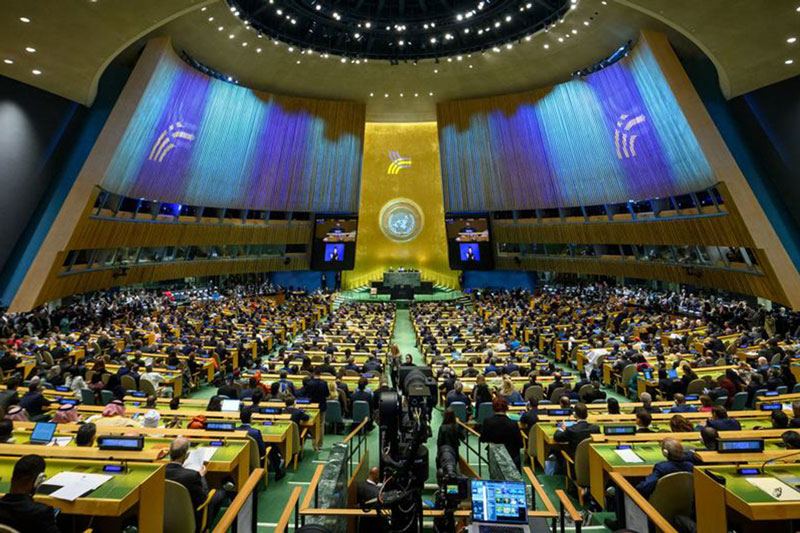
<point>255,434</point>
<point>574,434</point>
<point>499,429</point>
<point>189,479</point>
<point>726,424</point>
<point>660,470</point>
<point>25,515</point>
<point>367,491</point>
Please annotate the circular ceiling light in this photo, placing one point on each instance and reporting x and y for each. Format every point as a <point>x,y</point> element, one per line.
<point>368,29</point>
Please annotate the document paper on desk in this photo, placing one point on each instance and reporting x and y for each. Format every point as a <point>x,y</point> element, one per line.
<point>198,457</point>
<point>74,485</point>
<point>775,488</point>
<point>629,456</point>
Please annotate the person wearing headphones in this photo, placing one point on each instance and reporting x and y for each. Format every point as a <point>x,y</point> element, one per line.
<point>676,461</point>
<point>18,508</point>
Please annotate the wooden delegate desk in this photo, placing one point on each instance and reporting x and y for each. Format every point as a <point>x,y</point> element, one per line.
<point>603,459</point>
<point>277,433</point>
<point>545,429</point>
<point>141,488</point>
<point>232,459</point>
<point>739,501</point>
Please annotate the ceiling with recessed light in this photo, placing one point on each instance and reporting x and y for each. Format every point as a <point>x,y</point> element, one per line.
<point>64,46</point>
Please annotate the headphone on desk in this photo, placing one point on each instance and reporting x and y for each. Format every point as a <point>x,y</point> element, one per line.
<point>39,481</point>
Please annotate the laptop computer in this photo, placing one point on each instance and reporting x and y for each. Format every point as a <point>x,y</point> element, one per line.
<point>499,507</point>
<point>43,432</point>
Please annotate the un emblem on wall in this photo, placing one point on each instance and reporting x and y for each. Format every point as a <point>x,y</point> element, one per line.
<point>401,220</point>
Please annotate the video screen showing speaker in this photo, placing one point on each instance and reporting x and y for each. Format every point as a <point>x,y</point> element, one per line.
<point>469,243</point>
<point>334,246</point>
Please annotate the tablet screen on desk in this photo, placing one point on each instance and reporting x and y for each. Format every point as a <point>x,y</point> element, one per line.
<point>740,446</point>
<point>43,432</point>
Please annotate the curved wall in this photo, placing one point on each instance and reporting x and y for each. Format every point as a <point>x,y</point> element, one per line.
<point>202,141</point>
<point>616,135</point>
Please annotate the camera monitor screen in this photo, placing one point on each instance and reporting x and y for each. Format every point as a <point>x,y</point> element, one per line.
<point>468,242</point>
<point>334,246</point>
<point>503,502</point>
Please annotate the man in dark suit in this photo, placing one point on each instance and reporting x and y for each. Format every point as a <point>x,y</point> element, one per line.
<point>228,389</point>
<point>10,396</point>
<point>719,420</point>
<point>647,404</point>
<point>499,429</point>
<point>368,490</point>
<point>17,507</point>
<point>317,391</point>
<point>643,421</point>
<point>556,384</point>
<point>577,432</point>
<point>680,405</point>
<point>283,387</point>
<point>326,367</point>
<point>298,416</point>
<point>246,416</point>
<point>195,482</point>
<point>672,449</point>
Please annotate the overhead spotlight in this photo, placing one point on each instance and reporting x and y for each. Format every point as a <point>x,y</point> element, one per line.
<point>459,17</point>
<point>30,49</point>
<point>789,61</point>
<point>220,28</point>
<point>509,46</point>
<point>26,20</point>
<point>508,18</point>
<point>416,95</point>
<point>8,61</point>
<point>211,19</point>
<point>368,25</point>
<point>343,60</point>
<point>546,46</point>
<point>527,38</point>
<point>433,40</point>
<point>497,24</point>
<point>258,50</point>
<point>430,94</point>
<point>371,95</point>
<point>386,95</point>
<point>460,58</point>
<point>791,40</point>
<point>290,49</point>
<point>574,32</point>
<point>585,22</point>
<point>436,71</point>
<point>203,9</point>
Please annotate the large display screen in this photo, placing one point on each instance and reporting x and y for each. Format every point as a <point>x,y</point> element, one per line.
<point>334,245</point>
<point>468,242</point>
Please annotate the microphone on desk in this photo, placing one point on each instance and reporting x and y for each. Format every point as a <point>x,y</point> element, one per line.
<point>774,459</point>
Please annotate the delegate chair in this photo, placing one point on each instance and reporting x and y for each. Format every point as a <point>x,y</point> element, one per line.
<point>106,396</point>
<point>333,414</point>
<point>696,387</point>
<point>361,410</point>
<point>534,392</point>
<point>739,401</point>
<point>722,400</point>
<point>87,397</point>
<point>460,410</point>
<point>674,495</point>
<point>558,392</point>
<point>578,468</point>
<point>128,383</point>
<point>484,412</point>
<point>179,515</point>
<point>627,374</point>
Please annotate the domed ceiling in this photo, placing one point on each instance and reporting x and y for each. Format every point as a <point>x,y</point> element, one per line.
<point>64,46</point>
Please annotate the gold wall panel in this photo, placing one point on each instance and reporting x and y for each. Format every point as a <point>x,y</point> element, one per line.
<point>412,187</point>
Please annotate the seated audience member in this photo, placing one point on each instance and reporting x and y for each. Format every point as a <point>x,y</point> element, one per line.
<point>499,429</point>
<point>795,421</point>
<point>457,395</point>
<point>480,392</point>
<point>556,384</point>
<point>86,434</point>
<point>791,439</point>
<point>362,393</point>
<point>706,403</point>
<point>113,415</point>
<point>298,416</point>
<point>18,509</point>
<point>156,379</point>
<point>214,404</point>
<point>151,419</point>
<point>283,386</point>
<point>195,482</point>
<point>779,419</point>
<point>643,421</point>
<point>596,393</point>
<point>10,396</point>
<point>577,432</point>
<point>647,404</point>
<point>34,401</point>
<point>492,367</point>
<point>680,405</point>
<point>530,417</point>
<point>228,389</point>
<point>710,437</point>
<point>17,414</point>
<point>613,406</point>
<point>252,387</point>
<point>368,490</point>
<point>66,414</point>
<point>246,416</point>
<point>6,431</point>
<point>470,371</point>
<point>679,424</point>
<point>719,420</point>
<point>675,462</point>
<point>509,392</point>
